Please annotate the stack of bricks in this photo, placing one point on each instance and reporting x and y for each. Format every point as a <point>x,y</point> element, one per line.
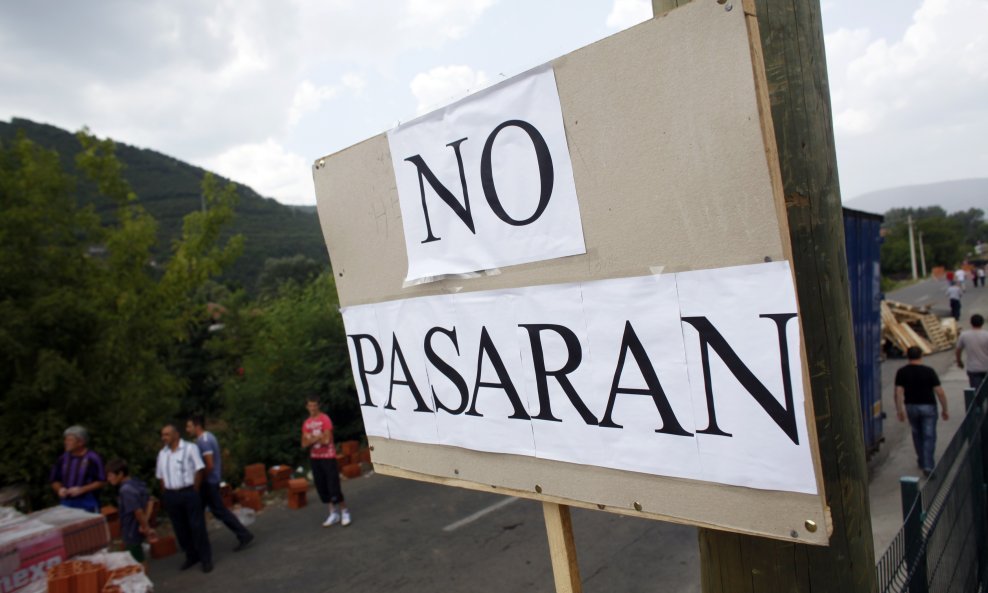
<point>255,484</point>
<point>116,578</point>
<point>250,498</point>
<point>77,577</point>
<point>255,477</point>
<point>82,532</point>
<point>280,474</point>
<point>349,459</point>
<point>296,493</point>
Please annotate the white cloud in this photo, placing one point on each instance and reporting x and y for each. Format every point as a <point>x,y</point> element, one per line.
<point>445,84</point>
<point>626,13</point>
<point>210,83</point>
<point>269,169</point>
<point>308,98</point>
<point>354,82</point>
<point>900,105</point>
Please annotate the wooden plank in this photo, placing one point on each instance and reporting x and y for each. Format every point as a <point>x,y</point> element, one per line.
<point>916,339</point>
<point>562,548</point>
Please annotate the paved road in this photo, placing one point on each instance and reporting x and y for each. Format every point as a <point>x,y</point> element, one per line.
<point>398,544</point>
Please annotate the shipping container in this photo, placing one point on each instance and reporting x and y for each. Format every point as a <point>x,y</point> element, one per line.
<point>862,239</point>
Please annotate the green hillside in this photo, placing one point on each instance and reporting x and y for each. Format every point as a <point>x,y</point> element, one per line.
<point>169,189</point>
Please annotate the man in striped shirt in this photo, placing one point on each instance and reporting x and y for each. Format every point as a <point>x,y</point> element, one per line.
<point>78,474</point>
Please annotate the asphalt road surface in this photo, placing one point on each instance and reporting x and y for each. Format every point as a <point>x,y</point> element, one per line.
<point>415,537</point>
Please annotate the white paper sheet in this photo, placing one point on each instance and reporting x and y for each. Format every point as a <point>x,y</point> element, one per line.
<point>407,402</point>
<point>521,215</point>
<point>650,305</point>
<point>362,321</point>
<point>732,299</point>
<point>651,417</point>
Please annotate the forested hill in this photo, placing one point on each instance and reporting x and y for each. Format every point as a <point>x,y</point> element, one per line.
<point>169,189</point>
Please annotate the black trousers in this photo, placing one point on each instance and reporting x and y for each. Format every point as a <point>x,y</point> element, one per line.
<point>326,475</point>
<point>185,511</point>
<point>212,500</point>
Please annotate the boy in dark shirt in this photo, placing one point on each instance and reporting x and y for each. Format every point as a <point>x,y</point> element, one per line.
<point>915,387</point>
<point>131,506</point>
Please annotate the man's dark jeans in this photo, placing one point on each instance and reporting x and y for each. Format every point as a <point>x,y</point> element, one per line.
<point>923,420</point>
<point>975,379</point>
<point>185,510</point>
<point>213,500</point>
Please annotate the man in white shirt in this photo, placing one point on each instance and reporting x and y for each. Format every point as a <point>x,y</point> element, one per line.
<point>961,277</point>
<point>974,341</point>
<point>180,471</point>
<point>954,293</point>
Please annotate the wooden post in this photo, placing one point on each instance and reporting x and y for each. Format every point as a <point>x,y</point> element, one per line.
<point>562,548</point>
<point>795,64</point>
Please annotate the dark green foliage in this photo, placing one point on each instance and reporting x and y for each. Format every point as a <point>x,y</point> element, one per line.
<point>947,239</point>
<point>278,271</point>
<point>169,189</point>
<point>286,348</point>
<point>88,320</point>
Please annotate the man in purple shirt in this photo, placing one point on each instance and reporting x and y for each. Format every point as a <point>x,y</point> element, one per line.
<point>78,474</point>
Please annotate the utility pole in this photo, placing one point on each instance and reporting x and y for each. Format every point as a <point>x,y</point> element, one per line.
<point>922,256</point>
<point>795,62</point>
<point>912,246</point>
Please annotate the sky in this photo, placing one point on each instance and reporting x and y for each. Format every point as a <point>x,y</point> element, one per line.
<point>258,90</point>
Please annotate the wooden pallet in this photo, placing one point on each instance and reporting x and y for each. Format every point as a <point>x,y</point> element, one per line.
<point>907,325</point>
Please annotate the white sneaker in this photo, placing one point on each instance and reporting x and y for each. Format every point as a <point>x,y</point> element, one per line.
<point>346,518</point>
<point>332,519</point>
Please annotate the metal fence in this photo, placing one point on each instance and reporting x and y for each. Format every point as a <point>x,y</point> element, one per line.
<point>942,544</point>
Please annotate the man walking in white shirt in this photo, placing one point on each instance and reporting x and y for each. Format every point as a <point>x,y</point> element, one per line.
<point>180,471</point>
<point>974,341</point>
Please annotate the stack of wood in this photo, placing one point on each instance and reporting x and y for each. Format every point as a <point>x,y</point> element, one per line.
<point>906,326</point>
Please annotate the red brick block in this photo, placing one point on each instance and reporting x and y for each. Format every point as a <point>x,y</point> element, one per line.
<point>349,447</point>
<point>342,459</point>
<point>87,578</point>
<point>365,456</point>
<point>352,470</point>
<point>163,547</point>
<point>255,475</point>
<point>297,499</point>
<point>250,498</point>
<point>60,578</point>
<point>298,485</point>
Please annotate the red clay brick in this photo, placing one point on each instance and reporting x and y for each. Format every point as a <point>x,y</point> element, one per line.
<point>349,447</point>
<point>164,546</point>
<point>352,470</point>
<point>297,500</point>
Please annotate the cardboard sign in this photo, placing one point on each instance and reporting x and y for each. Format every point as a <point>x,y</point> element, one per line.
<point>487,181</point>
<point>658,374</point>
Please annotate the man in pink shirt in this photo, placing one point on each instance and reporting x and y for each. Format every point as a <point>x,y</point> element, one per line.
<point>317,437</point>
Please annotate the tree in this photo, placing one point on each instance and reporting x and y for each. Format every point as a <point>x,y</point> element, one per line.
<point>287,348</point>
<point>278,271</point>
<point>88,319</point>
<point>943,238</point>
